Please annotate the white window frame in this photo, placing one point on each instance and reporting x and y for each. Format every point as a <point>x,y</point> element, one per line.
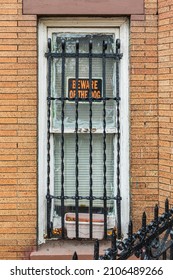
<point>45,24</point>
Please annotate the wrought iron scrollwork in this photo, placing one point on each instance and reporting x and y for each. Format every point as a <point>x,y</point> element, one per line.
<point>152,241</point>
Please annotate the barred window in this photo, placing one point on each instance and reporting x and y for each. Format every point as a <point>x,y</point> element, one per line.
<point>84,126</point>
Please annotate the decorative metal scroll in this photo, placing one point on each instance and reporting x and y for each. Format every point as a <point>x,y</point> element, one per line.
<point>152,241</point>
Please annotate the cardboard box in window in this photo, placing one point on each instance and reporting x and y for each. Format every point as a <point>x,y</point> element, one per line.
<point>84,225</point>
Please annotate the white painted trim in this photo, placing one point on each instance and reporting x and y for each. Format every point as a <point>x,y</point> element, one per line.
<point>124,120</point>
<point>84,22</point>
<point>85,130</point>
<point>100,23</point>
<point>124,130</point>
<point>42,135</point>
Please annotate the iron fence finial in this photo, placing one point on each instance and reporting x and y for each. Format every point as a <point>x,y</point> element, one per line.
<point>75,256</point>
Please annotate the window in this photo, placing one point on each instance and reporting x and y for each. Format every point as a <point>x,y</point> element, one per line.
<point>82,121</point>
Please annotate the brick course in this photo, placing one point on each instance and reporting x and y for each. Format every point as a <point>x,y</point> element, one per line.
<point>18,131</point>
<point>144,113</point>
<point>165,64</point>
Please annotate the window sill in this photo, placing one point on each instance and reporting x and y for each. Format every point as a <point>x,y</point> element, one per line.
<point>64,250</point>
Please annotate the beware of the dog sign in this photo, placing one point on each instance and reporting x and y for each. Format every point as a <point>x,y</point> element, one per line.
<point>82,88</point>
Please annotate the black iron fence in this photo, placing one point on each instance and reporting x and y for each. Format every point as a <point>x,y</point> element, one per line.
<point>153,241</point>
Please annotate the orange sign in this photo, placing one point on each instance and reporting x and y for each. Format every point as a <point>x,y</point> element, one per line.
<point>82,88</point>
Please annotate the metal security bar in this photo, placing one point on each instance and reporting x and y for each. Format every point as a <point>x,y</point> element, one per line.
<point>63,55</point>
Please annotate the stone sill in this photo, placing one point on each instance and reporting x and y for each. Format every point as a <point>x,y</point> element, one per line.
<point>64,249</point>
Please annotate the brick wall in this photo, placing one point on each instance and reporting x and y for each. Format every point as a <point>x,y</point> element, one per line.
<point>18,130</point>
<point>165,74</point>
<point>151,121</point>
<point>144,112</point>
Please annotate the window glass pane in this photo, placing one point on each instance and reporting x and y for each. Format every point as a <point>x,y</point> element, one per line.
<point>68,115</point>
<point>70,63</point>
<point>84,172</point>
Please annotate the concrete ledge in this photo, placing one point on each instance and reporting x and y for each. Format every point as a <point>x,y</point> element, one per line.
<point>64,250</point>
<point>83,7</point>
